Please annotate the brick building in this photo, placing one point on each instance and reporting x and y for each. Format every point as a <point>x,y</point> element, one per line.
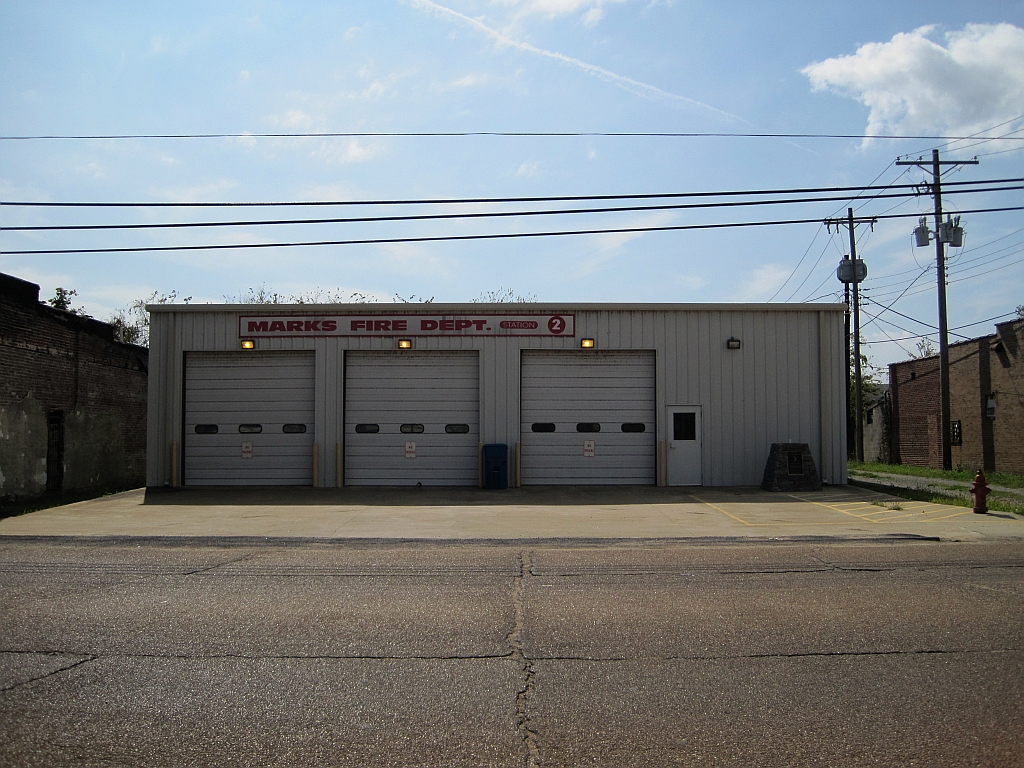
<point>72,400</point>
<point>986,385</point>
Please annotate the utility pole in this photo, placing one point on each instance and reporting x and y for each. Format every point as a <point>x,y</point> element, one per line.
<point>858,397</point>
<point>851,429</point>
<point>940,270</point>
<point>853,270</point>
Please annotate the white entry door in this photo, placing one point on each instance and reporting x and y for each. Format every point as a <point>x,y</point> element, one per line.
<point>684,445</point>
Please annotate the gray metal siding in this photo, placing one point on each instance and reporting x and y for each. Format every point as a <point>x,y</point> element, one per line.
<point>608,388</point>
<point>785,383</point>
<point>428,388</point>
<point>228,389</point>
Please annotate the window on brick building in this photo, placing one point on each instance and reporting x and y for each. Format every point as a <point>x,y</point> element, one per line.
<point>956,433</point>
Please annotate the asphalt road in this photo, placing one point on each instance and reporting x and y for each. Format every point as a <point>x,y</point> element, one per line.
<point>182,653</point>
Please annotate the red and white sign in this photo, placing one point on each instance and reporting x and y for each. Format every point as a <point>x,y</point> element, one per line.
<point>410,450</point>
<point>246,450</point>
<point>588,449</point>
<point>276,326</point>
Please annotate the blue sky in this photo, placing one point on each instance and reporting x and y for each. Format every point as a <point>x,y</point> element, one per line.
<point>933,68</point>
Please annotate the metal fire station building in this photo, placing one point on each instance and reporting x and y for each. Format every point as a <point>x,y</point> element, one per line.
<point>406,394</point>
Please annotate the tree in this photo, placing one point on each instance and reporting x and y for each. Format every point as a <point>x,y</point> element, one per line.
<point>264,295</point>
<point>62,300</point>
<point>924,349</point>
<point>870,380</point>
<point>504,296</point>
<point>131,324</point>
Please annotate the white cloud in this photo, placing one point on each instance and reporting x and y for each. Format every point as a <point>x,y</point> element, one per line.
<point>691,282</point>
<point>591,17</point>
<point>469,81</point>
<point>416,259</point>
<point>592,9</point>
<point>626,83</point>
<point>325,192</point>
<point>94,169</point>
<point>913,85</point>
<point>295,118</point>
<point>197,193</point>
<point>604,248</point>
<point>346,151</point>
<point>762,283</point>
<point>526,170</point>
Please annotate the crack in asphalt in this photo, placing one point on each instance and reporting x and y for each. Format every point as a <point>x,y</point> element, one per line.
<point>797,655</point>
<point>271,657</point>
<point>515,643</point>
<point>517,655</point>
<point>215,566</point>
<point>51,673</point>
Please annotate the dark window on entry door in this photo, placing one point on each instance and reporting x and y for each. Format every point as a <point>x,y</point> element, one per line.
<point>684,426</point>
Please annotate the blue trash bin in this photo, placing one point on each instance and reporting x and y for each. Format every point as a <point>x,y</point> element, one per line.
<point>496,466</point>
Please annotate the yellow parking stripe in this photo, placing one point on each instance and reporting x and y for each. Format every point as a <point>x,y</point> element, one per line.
<point>723,511</point>
<point>830,506</point>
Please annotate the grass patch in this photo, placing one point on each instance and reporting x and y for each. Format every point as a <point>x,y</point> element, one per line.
<point>997,502</point>
<point>1008,479</point>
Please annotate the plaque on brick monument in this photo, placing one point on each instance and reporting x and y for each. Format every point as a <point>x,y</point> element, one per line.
<point>790,467</point>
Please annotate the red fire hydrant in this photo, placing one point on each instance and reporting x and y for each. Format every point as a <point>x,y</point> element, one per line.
<point>980,490</point>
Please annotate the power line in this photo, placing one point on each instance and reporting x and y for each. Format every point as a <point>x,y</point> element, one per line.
<point>817,232</point>
<point>974,135</point>
<point>476,200</point>
<point>806,251</point>
<point>460,134</point>
<point>453,238</point>
<point>473,215</point>
<point>1000,152</point>
<point>912,319</point>
<point>963,279</point>
<point>957,328</point>
<point>811,271</point>
<point>965,251</point>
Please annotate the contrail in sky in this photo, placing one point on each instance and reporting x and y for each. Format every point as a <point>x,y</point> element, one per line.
<point>627,83</point>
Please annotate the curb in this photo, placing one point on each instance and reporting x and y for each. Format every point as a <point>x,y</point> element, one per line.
<point>376,543</point>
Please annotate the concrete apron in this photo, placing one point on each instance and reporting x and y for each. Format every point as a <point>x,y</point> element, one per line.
<point>632,513</point>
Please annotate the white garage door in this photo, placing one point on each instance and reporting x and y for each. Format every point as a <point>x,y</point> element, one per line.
<point>412,417</point>
<point>249,418</point>
<point>588,418</point>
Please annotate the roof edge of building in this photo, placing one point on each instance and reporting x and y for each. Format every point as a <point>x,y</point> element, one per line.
<point>377,308</point>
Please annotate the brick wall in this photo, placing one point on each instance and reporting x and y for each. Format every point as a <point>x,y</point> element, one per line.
<point>914,386</point>
<point>1006,368</point>
<point>55,361</point>
<point>977,368</point>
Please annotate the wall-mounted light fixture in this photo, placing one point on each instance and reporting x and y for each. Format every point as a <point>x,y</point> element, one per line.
<point>587,343</point>
<point>405,343</point>
<point>248,344</point>
<point>732,343</point>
